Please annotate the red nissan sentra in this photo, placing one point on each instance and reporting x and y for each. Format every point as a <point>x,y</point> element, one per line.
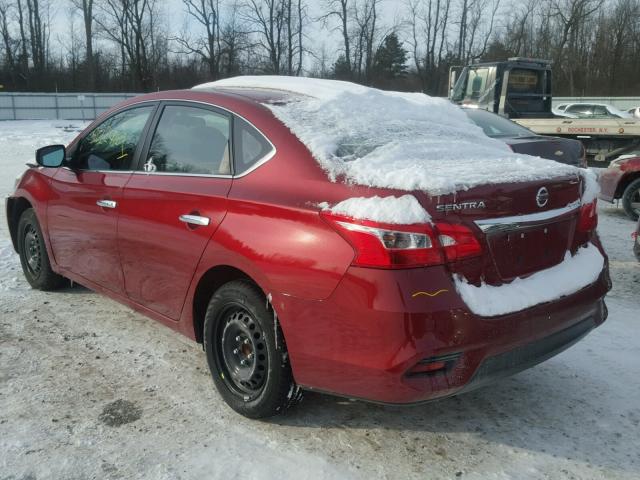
<point>319,235</point>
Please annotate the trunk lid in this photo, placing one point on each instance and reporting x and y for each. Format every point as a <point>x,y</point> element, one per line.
<point>523,227</point>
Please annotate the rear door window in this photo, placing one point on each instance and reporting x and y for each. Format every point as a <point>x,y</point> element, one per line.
<point>600,110</point>
<point>190,140</point>
<point>250,146</point>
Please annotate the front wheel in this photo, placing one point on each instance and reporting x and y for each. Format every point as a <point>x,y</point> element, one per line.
<point>33,254</point>
<point>631,199</point>
<point>246,352</point>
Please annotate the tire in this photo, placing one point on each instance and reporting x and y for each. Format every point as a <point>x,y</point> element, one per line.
<point>33,254</point>
<point>239,327</point>
<point>630,197</point>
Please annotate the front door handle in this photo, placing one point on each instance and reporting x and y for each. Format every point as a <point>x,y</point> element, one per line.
<point>107,203</point>
<point>194,220</point>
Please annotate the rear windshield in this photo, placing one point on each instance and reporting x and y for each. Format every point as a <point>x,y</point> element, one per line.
<point>496,126</point>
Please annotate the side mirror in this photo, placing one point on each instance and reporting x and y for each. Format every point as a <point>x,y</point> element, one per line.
<point>51,156</point>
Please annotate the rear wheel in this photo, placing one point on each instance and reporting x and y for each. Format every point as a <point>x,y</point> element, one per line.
<point>246,352</point>
<point>631,199</point>
<point>33,254</point>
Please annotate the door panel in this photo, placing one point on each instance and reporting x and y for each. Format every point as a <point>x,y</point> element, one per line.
<point>83,234</point>
<point>185,171</point>
<point>82,216</point>
<point>159,252</point>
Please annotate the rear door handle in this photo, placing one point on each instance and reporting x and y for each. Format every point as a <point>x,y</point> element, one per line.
<point>194,220</point>
<point>107,203</point>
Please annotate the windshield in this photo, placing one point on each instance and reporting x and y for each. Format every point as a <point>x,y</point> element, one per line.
<point>495,125</point>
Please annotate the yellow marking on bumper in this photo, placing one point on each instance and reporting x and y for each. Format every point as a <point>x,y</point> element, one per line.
<point>434,294</point>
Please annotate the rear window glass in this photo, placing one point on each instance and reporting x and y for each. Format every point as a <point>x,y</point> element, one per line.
<point>496,126</point>
<point>524,81</point>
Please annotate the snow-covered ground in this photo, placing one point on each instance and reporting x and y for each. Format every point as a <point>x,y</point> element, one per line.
<point>67,358</point>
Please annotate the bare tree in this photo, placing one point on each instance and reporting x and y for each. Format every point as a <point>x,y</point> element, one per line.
<point>24,43</point>
<point>267,19</point>
<point>366,31</point>
<point>205,13</point>
<point>342,11</point>
<point>278,26</point>
<point>625,13</point>
<point>571,16</point>
<point>8,41</point>
<point>38,33</point>
<point>86,8</point>
<point>429,26</point>
<point>235,41</point>
<point>131,24</point>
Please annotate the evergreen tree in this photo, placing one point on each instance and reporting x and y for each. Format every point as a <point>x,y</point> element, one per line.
<point>389,62</point>
<point>341,69</point>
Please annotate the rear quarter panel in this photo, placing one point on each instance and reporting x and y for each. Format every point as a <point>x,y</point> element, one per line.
<point>273,230</point>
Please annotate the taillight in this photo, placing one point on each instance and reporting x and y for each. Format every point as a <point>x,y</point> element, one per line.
<point>381,245</point>
<point>457,241</point>
<point>588,220</point>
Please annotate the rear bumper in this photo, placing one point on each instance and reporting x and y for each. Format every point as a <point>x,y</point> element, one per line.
<point>361,342</point>
<point>526,356</point>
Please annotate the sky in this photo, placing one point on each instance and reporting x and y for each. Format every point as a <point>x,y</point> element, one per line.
<point>176,18</point>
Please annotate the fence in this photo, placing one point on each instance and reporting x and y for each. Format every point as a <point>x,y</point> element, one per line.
<point>57,106</point>
<point>87,106</point>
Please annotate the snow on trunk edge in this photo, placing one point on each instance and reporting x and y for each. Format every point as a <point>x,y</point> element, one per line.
<point>573,274</point>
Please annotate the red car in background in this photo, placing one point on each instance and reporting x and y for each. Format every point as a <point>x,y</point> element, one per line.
<point>202,210</point>
<point>621,180</point>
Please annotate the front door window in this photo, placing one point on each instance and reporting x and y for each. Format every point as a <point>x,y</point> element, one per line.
<point>112,144</point>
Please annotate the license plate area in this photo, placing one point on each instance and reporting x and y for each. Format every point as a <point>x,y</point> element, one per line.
<point>526,250</point>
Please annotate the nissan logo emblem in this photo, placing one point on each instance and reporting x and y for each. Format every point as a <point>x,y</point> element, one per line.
<point>542,197</point>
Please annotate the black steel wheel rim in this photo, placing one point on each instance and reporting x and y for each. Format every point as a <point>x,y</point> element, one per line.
<point>242,352</point>
<point>32,250</point>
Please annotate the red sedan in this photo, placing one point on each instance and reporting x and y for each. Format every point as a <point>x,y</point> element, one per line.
<point>621,180</point>
<point>215,212</point>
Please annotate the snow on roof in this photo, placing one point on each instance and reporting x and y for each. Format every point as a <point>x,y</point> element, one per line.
<point>406,141</point>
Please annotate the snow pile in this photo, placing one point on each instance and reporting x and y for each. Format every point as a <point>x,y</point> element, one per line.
<point>573,274</point>
<point>405,210</point>
<point>406,141</point>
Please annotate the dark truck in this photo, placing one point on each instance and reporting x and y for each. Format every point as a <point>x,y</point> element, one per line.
<point>521,89</point>
<point>517,88</point>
